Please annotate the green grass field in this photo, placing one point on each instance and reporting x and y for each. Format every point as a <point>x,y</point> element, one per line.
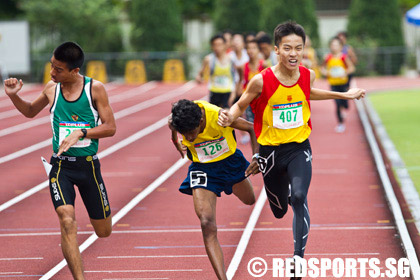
<point>400,114</point>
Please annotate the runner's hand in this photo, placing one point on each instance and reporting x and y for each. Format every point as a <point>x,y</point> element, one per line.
<point>69,141</point>
<point>225,118</point>
<point>356,93</point>
<point>180,147</point>
<point>12,86</point>
<point>252,168</point>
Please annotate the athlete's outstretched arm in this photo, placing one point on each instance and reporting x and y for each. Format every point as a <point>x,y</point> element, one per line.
<point>322,94</point>
<point>205,64</point>
<point>106,129</point>
<point>253,90</point>
<point>174,138</point>
<point>244,125</point>
<point>29,109</point>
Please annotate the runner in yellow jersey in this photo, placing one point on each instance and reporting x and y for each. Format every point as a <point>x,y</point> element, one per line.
<point>217,166</point>
<point>337,67</point>
<point>223,82</point>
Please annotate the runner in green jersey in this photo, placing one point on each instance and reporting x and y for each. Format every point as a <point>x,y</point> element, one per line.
<point>77,103</point>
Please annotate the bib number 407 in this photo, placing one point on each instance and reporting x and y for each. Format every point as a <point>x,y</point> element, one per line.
<point>288,116</point>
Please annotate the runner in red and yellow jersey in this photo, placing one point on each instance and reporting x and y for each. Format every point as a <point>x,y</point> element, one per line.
<point>280,97</point>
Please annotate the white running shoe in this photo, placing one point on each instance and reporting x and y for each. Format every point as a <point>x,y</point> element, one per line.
<point>340,128</point>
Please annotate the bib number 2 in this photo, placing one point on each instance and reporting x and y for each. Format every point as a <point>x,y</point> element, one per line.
<point>66,128</point>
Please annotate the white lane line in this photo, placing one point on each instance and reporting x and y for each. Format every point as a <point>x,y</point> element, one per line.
<point>152,257</point>
<point>26,151</point>
<point>392,199</point>
<point>21,259</point>
<point>40,121</point>
<point>133,92</point>
<point>23,126</point>
<point>408,188</point>
<point>8,273</point>
<point>120,114</point>
<point>112,99</point>
<point>149,189</point>
<point>159,231</point>
<point>246,235</point>
<point>142,270</point>
<point>10,113</point>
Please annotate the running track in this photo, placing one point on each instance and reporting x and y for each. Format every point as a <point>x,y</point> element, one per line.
<point>160,237</point>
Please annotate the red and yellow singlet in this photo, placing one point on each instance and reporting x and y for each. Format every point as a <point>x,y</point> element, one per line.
<point>283,113</point>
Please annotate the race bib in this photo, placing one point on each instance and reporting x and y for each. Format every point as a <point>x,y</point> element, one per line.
<point>286,116</point>
<point>210,150</point>
<point>337,72</point>
<point>221,81</point>
<point>66,128</point>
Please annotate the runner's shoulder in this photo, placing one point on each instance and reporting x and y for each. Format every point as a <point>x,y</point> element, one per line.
<point>49,88</point>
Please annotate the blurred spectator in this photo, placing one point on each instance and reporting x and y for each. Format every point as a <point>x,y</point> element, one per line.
<point>347,49</point>
<point>266,49</point>
<point>310,59</point>
<point>227,34</point>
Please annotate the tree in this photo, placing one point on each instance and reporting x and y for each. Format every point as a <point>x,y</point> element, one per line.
<point>92,24</point>
<point>237,15</point>
<point>9,9</point>
<point>380,21</point>
<point>301,11</point>
<point>196,8</point>
<point>157,25</point>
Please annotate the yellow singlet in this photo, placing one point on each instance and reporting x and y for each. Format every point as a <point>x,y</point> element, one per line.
<point>215,142</point>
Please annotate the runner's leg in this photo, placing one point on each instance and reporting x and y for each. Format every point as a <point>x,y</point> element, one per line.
<point>300,173</point>
<point>205,208</point>
<point>69,245</point>
<point>244,191</point>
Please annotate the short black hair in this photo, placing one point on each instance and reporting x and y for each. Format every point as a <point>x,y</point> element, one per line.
<point>335,38</point>
<point>186,116</point>
<point>286,28</point>
<point>252,41</point>
<point>217,36</point>
<point>343,33</point>
<point>70,53</point>
<point>264,39</point>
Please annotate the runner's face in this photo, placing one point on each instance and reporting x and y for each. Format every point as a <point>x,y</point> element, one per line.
<point>335,46</point>
<point>265,50</point>
<point>290,51</point>
<point>218,46</point>
<point>192,135</point>
<point>59,71</point>
<point>252,50</point>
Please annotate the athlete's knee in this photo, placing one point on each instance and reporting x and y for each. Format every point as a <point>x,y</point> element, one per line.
<point>249,200</point>
<point>279,212</point>
<point>68,225</point>
<point>103,232</point>
<point>103,227</point>
<point>208,226</point>
<point>298,197</point>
